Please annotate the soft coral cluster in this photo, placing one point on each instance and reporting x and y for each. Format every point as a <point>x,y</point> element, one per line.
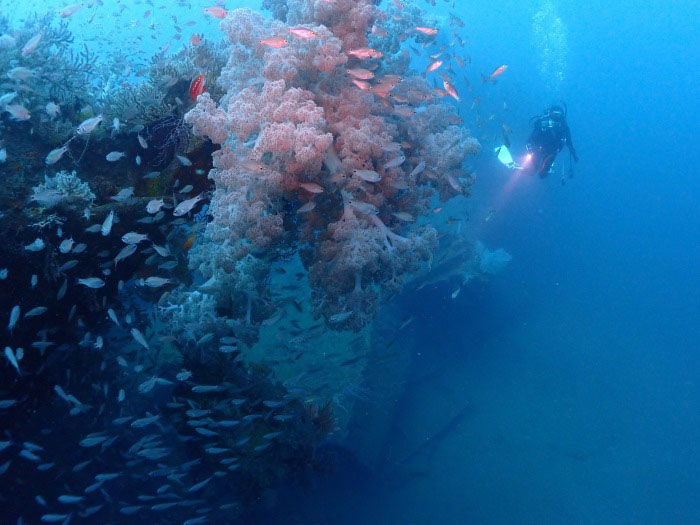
<point>250,62</point>
<point>361,136</point>
<point>293,128</point>
<point>323,54</point>
<point>349,20</point>
<point>359,257</point>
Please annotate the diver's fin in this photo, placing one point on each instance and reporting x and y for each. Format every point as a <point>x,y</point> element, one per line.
<point>505,158</point>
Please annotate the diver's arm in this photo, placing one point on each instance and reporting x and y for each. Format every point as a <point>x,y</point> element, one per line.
<point>536,131</point>
<point>570,144</point>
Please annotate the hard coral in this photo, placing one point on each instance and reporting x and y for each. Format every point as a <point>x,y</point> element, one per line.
<point>64,187</point>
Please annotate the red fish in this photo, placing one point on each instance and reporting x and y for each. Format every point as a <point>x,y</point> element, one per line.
<point>198,86</point>
<point>498,71</point>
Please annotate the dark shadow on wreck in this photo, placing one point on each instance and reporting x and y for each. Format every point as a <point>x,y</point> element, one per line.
<point>336,495</point>
<point>377,457</point>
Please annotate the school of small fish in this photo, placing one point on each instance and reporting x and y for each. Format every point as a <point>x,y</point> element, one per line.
<point>137,432</point>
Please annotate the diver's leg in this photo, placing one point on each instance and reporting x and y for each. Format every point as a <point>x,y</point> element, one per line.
<point>546,165</point>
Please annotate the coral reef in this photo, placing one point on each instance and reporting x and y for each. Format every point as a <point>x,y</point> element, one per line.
<point>50,74</point>
<point>238,331</point>
<point>163,89</point>
<point>294,131</point>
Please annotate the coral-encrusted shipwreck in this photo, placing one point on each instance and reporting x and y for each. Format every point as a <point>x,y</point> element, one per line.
<point>308,160</point>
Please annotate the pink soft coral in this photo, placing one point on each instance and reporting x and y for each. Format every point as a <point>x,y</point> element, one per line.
<point>295,131</point>
<point>209,120</point>
<point>321,54</point>
<point>358,258</point>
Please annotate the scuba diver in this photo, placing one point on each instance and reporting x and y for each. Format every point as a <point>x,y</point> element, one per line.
<point>549,135</point>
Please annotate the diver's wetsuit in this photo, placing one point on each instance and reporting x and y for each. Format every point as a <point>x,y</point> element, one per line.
<point>549,135</point>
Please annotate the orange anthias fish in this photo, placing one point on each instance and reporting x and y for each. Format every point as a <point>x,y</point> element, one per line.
<point>189,243</point>
<point>360,74</point>
<point>498,71</point>
<point>32,44</point>
<point>216,12</point>
<point>450,90</point>
<point>365,52</point>
<point>405,111</point>
<point>307,207</point>
<point>70,10</point>
<point>434,66</point>
<point>392,80</point>
<point>385,85</point>
<point>253,166</point>
<point>198,86</point>
<point>364,86</point>
<point>311,187</point>
<point>275,41</point>
<point>302,32</point>
<point>427,30</point>
<point>195,40</point>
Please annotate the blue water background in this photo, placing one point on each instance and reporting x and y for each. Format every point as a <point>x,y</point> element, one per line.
<point>582,360</point>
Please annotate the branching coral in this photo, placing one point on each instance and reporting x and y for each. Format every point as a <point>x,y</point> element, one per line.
<point>191,314</point>
<point>165,85</point>
<point>53,71</point>
<point>462,260</point>
<point>64,187</point>
<point>358,258</point>
<point>490,262</point>
<point>137,103</point>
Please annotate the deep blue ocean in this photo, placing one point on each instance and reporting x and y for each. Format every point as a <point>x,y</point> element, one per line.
<point>564,388</point>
